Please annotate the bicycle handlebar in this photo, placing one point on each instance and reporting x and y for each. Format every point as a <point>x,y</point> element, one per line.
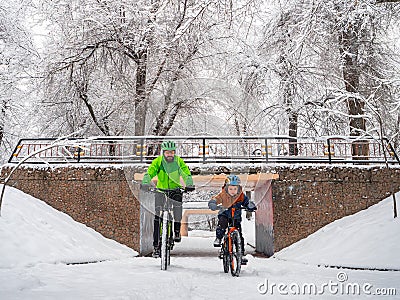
<point>157,190</point>
<point>154,189</point>
<point>222,208</point>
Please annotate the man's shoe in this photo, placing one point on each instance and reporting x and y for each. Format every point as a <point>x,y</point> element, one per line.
<point>217,242</point>
<point>177,237</point>
<point>156,252</point>
<point>244,260</point>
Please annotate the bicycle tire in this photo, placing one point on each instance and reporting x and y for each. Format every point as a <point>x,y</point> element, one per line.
<point>236,255</point>
<point>225,256</point>
<point>169,244</point>
<point>164,243</point>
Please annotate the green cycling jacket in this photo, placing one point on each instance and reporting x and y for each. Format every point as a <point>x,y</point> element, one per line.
<point>168,174</point>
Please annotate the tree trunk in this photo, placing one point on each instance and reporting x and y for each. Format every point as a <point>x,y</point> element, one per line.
<point>293,118</point>
<point>396,142</point>
<point>351,75</point>
<point>2,121</point>
<point>288,95</point>
<point>141,95</point>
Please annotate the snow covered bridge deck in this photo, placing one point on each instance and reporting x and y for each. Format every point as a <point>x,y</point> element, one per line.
<point>206,150</point>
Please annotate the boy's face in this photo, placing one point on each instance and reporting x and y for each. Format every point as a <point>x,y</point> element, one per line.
<point>233,190</point>
<point>169,155</point>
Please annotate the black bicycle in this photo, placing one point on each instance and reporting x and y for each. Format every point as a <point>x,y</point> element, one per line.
<point>166,239</point>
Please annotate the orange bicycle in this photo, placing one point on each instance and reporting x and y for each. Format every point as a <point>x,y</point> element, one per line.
<point>231,249</point>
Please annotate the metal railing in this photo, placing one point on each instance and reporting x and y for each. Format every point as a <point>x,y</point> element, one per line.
<point>207,149</point>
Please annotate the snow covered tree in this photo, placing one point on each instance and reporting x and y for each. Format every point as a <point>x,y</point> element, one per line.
<point>111,60</point>
<point>16,54</point>
<point>331,58</point>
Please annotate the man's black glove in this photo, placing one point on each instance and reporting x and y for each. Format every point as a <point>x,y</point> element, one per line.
<point>145,187</point>
<point>189,188</point>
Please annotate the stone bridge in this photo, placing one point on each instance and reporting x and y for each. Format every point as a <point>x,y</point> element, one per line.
<point>293,201</point>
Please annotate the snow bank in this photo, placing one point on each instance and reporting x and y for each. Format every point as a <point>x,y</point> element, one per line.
<point>369,238</point>
<point>32,232</point>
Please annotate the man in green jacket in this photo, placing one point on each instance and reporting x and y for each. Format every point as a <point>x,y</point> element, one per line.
<point>168,168</point>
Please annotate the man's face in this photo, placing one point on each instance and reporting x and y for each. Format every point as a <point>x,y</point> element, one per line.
<point>169,155</point>
<point>233,190</point>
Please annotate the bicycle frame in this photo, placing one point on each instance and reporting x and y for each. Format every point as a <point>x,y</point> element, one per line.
<point>166,240</point>
<point>232,258</point>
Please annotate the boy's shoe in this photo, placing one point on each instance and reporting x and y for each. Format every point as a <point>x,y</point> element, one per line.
<point>244,260</point>
<point>156,252</point>
<point>177,237</point>
<point>217,242</point>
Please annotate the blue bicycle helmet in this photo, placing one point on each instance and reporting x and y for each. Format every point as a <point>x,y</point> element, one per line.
<point>232,180</point>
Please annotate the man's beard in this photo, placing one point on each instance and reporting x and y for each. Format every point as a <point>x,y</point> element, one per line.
<point>169,158</point>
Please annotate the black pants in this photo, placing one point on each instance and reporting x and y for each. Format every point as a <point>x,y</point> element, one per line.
<point>223,222</point>
<point>176,197</point>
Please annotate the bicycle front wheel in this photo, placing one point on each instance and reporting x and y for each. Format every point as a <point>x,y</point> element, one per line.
<point>235,254</point>
<point>164,242</point>
<point>225,255</point>
<point>170,242</point>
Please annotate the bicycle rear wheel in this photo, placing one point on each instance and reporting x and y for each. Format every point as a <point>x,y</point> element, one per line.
<point>236,254</point>
<point>164,242</point>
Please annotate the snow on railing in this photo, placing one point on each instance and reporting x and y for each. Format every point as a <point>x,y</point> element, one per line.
<point>208,149</point>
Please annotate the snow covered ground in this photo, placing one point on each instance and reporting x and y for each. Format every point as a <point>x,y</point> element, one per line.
<point>42,250</point>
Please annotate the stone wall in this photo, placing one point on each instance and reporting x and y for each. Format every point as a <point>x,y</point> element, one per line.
<point>99,197</point>
<point>304,198</point>
<point>308,198</point>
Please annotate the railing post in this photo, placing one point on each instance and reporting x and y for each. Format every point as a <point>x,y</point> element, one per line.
<point>391,150</point>
<point>141,149</point>
<point>15,150</point>
<point>266,150</point>
<point>329,151</point>
<point>204,150</point>
<point>79,154</point>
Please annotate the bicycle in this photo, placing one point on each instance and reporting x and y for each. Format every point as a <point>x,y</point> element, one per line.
<point>166,239</point>
<point>231,249</point>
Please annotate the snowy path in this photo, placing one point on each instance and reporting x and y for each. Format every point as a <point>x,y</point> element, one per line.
<point>37,242</point>
<point>187,278</point>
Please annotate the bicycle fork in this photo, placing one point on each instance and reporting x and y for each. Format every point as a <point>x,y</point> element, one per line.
<point>230,246</point>
<point>169,227</point>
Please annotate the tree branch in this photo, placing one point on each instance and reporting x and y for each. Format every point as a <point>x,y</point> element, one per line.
<point>386,1</point>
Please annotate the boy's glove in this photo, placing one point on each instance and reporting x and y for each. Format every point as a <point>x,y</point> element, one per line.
<point>212,204</point>
<point>251,207</point>
<point>248,215</point>
<point>189,188</point>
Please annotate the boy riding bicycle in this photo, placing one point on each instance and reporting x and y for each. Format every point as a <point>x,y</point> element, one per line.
<point>168,168</point>
<point>230,197</point>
